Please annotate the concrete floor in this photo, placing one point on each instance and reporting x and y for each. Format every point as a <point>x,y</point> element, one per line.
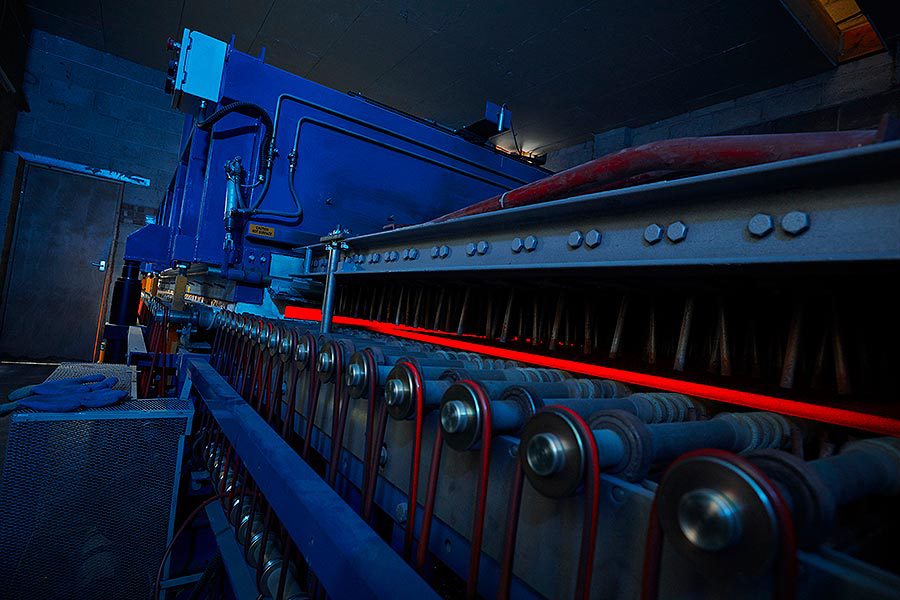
<point>14,376</point>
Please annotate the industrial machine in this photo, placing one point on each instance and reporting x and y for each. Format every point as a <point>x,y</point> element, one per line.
<point>425,367</point>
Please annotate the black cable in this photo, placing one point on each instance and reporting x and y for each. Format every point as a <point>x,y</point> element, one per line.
<point>512,129</point>
<point>249,109</point>
<point>265,145</point>
<point>265,157</point>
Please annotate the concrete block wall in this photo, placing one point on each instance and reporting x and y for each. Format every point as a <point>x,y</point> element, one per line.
<point>848,84</point>
<point>96,109</point>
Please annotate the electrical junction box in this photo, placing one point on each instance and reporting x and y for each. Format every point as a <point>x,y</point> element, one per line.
<point>201,64</point>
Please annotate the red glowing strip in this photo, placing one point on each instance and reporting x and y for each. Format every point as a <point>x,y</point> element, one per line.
<point>801,410</point>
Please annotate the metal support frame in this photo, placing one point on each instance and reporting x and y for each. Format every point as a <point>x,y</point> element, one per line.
<point>334,243</point>
<point>348,558</point>
<point>241,577</point>
<point>840,206</point>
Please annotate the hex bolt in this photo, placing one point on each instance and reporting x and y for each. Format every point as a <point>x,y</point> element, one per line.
<point>482,247</point>
<point>376,257</point>
<point>576,238</point>
<point>406,254</point>
<point>435,251</point>
<point>795,222</point>
<point>394,255</point>
<point>251,258</point>
<point>653,233</point>
<point>592,238</point>
<point>470,249</point>
<point>531,243</point>
<point>676,232</point>
<point>760,225</point>
<point>444,251</point>
<point>413,253</point>
<point>517,245</point>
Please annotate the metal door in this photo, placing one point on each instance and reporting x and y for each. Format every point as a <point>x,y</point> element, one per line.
<point>54,295</point>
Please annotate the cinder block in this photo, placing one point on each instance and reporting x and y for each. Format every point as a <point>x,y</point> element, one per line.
<point>41,41</point>
<point>63,135</point>
<point>739,115</point>
<point>142,196</point>
<point>794,100</point>
<point>169,120</point>
<point>85,119</point>
<point>120,108</point>
<point>43,64</point>
<point>149,95</point>
<point>133,71</point>
<point>24,125</point>
<point>162,160</point>
<point>691,126</point>
<point>126,153</point>
<point>150,136</point>
<point>96,79</point>
<point>650,133</point>
<point>65,93</point>
<point>612,141</point>
<point>860,82</point>
<point>713,108</point>
<point>566,158</point>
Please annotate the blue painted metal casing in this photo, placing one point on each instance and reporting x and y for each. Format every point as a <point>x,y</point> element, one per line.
<point>359,165</point>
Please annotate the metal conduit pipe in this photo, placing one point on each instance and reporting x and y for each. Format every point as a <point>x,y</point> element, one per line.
<point>553,460</point>
<point>696,155</point>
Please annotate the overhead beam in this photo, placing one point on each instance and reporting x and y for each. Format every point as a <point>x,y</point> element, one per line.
<point>818,25</point>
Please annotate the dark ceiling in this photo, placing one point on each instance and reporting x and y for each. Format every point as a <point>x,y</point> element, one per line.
<point>567,68</point>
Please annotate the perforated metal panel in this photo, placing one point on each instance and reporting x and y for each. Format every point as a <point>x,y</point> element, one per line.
<point>127,375</point>
<point>86,499</point>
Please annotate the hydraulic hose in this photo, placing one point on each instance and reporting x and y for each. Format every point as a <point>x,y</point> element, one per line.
<point>253,110</point>
<point>266,157</point>
<point>684,155</point>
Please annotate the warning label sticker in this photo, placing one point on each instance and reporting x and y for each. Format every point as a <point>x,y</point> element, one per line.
<point>262,230</point>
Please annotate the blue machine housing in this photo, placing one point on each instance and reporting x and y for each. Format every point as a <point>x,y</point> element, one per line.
<point>359,165</point>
